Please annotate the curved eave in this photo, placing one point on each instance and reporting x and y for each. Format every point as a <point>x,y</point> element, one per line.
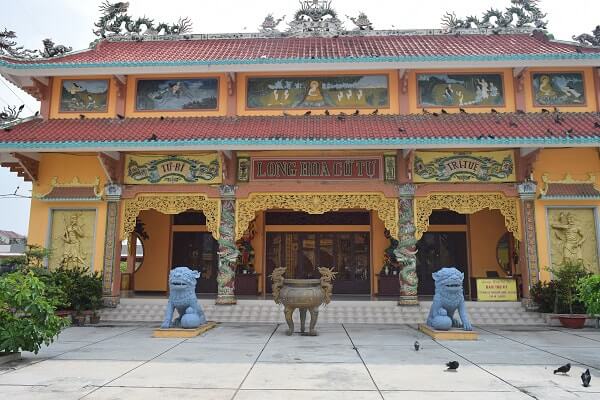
<point>460,61</point>
<point>313,144</point>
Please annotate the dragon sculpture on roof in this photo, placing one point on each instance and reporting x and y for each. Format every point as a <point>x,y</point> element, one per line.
<point>590,40</point>
<point>116,22</point>
<point>315,18</point>
<point>9,47</point>
<point>527,14</point>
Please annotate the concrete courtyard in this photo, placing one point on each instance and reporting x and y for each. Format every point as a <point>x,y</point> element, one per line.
<point>346,361</point>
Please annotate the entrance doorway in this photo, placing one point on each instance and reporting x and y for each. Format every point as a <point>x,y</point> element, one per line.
<point>444,245</point>
<point>195,248</point>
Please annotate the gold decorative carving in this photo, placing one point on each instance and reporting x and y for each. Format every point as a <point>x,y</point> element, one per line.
<point>72,238</point>
<point>172,203</point>
<point>316,203</point>
<point>573,237</point>
<point>75,183</point>
<point>467,203</point>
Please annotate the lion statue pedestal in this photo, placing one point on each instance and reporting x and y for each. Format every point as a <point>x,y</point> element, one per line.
<point>304,294</point>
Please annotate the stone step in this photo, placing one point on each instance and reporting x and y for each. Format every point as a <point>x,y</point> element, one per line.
<point>384,312</point>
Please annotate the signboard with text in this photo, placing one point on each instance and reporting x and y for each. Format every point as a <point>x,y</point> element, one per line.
<point>496,289</point>
<point>477,166</point>
<point>172,169</point>
<point>351,168</point>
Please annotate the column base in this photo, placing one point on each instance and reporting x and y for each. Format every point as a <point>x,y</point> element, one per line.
<point>408,301</point>
<point>224,300</point>
<point>111,301</point>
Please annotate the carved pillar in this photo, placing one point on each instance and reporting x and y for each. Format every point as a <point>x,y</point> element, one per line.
<point>112,248</point>
<point>406,250</point>
<point>531,274</point>
<point>228,251</point>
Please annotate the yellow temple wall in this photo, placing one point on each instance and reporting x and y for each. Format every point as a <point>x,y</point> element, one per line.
<point>153,273</point>
<point>486,227</point>
<point>579,162</point>
<point>86,168</point>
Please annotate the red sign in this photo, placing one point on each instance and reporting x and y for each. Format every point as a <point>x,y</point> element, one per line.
<point>357,168</point>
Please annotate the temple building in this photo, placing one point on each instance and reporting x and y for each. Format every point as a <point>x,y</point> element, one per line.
<point>385,154</point>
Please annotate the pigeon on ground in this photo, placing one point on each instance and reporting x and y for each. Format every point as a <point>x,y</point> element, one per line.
<point>417,345</point>
<point>586,377</point>
<point>564,369</point>
<point>452,365</point>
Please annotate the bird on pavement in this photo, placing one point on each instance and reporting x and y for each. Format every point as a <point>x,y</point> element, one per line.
<point>452,365</point>
<point>586,377</point>
<point>564,369</point>
<point>417,345</point>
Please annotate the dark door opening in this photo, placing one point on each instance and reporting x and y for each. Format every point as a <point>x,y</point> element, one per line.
<point>197,251</point>
<point>303,252</point>
<point>437,250</point>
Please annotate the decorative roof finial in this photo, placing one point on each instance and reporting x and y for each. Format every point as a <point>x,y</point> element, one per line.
<point>8,47</point>
<point>315,18</point>
<point>527,12</point>
<point>10,114</point>
<point>362,22</point>
<point>269,25</point>
<point>587,39</point>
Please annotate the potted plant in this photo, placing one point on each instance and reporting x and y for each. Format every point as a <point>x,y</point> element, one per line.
<point>588,291</point>
<point>567,277</point>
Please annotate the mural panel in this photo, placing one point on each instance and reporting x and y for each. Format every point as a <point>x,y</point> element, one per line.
<point>573,237</point>
<point>84,95</point>
<point>72,238</point>
<point>360,91</point>
<point>558,89</point>
<point>177,94</point>
<point>460,90</point>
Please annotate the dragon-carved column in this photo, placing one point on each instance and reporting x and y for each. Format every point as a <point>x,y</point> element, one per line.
<point>228,251</point>
<point>111,281</point>
<point>406,250</point>
<point>530,274</point>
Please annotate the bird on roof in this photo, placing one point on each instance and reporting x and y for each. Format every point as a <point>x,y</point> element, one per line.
<point>462,110</point>
<point>356,112</point>
<point>153,138</point>
<point>444,111</point>
<point>375,112</point>
<point>308,112</point>
<point>326,112</point>
<point>426,112</point>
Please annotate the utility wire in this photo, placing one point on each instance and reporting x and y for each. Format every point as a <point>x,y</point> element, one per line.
<point>18,97</point>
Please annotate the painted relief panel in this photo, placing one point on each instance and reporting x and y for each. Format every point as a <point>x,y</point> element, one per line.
<point>72,235</point>
<point>460,90</point>
<point>359,91</point>
<point>558,89</point>
<point>172,169</point>
<point>477,166</point>
<point>177,94</point>
<point>573,236</point>
<point>84,95</point>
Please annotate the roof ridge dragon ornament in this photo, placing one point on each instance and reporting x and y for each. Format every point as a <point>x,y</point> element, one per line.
<point>527,12</point>
<point>9,47</point>
<point>589,40</point>
<point>115,22</point>
<point>315,18</point>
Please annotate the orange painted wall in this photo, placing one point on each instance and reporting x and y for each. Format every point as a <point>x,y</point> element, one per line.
<point>153,274</point>
<point>579,162</point>
<point>56,92</point>
<point>66,167</point>
<point>486,227</point>
<point>378,245</point>
<point>131,112</point>
<point>241,92</point>
<point>590,91</point>
<point>258,243</point>
<point>509,94</point>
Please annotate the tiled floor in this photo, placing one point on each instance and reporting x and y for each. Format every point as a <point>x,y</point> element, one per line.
<point>346,361</point>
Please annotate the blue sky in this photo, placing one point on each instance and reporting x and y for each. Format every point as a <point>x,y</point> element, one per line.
<point>70,22</point>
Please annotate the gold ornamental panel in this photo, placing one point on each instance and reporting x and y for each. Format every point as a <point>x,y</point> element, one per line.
<point>316,203</point>
<point>171,204</point>
<point>467,203</point>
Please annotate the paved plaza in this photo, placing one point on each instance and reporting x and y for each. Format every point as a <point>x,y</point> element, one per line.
<point>346,361</point>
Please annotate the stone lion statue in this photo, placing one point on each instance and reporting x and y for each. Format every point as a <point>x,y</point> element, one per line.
<point>448,298</point>
<point>182,297</point>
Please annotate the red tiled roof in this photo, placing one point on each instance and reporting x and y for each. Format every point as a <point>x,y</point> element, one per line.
<point>321,48</point>
<point>489,128</point>
<point>570,190</point>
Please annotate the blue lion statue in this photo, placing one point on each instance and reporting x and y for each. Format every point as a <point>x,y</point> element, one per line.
<point>448,298</point>
<point>182,297</point>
